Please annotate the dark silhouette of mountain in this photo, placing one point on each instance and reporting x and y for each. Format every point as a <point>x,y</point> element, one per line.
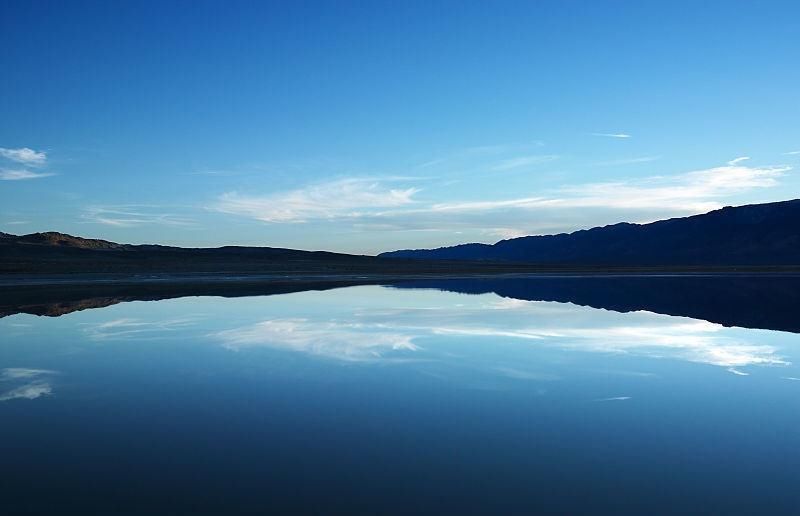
<point>57,253</point>
<point>753,235</point>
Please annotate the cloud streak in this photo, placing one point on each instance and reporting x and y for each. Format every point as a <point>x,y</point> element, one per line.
<point>21,175</point>
<point>376,204</point>
<point>127,216</point>
<point>628,161</point>
<point>613,135</point>
<point>25,156</point>
<point>343,198</point>
<point>522,161</point>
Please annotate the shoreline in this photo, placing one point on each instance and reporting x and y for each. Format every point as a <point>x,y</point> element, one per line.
<point>11,280</point>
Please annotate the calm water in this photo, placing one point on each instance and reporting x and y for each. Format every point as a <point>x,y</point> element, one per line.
<point>374,400</point>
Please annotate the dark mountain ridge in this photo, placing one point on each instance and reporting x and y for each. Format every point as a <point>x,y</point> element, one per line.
<point>751,235</point>
<point>58,253</point>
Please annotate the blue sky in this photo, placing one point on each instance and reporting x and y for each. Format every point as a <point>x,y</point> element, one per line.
<point>369,126</point>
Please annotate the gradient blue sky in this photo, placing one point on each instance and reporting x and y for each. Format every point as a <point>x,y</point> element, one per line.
<point>370,126</point>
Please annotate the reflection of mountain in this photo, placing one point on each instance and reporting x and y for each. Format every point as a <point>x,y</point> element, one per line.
<point>764,301</point>
<point>758,301</point>
<point>755,235</point>
<point>54,300</point>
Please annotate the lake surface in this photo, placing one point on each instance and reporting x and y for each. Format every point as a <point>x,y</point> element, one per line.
<point>373,399</point>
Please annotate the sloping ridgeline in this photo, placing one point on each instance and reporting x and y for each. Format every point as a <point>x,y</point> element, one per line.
<point>754,235</point>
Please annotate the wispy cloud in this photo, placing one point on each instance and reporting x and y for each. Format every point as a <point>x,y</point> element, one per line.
<point>523,161</point>
<point>692,191</point>
<point>351,197</point>
<point>792,153</point>
<point>612,135</point>
<point>378,204</point>
<point>738,160</point>
<point>21,174</point>
<point>25,156</point>
<point>134,215</point>
<point>628,161</point>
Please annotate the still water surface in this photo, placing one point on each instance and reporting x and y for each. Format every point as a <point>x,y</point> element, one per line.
<point>375,399</point>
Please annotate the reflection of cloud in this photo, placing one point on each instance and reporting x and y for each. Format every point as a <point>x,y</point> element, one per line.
<point>29,391</point>
<point>590,330</point>
<point>519,374</point>
<point>375,330</point>
<point>13,373</point>
<point>615,398</point>
<point>350,341</point>
<point>135,328</point>
<point>34,388</point>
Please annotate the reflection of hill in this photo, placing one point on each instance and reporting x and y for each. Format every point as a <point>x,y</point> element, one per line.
<point>766,301</point>
<point>53,301</point>
<point>763,301</point>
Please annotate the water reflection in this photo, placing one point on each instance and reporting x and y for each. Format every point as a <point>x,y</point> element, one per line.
<point>375,399</point>
<point>22,383</point>
<point>766,301</point>
<point>375,332</point>
<point>342,340</point>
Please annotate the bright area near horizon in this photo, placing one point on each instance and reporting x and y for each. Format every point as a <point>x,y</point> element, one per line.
<point>369,127</point>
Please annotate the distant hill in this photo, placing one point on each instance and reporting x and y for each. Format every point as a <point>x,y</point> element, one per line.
<point>753,235</point>
<point>53,252</point>
<point>59,253</point>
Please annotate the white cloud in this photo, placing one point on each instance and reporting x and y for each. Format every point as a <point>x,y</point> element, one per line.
<point>694,191</point>
<point>25,156</point>
<point>612,135</point>
<point>738,160</point>
<point>134,215</point>
<point>373,205</point>
<point>21,175</point>
<point>792,153</point>
<point>342,198</point>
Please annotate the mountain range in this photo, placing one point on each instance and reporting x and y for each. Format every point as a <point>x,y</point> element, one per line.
<point>752,235</point>
<point>758,235</point>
